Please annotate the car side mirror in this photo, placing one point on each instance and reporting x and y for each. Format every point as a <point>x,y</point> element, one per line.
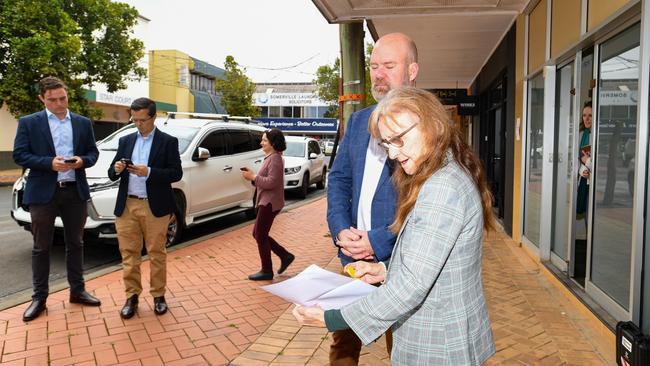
<point>312,156</point>
<point>202,154</point>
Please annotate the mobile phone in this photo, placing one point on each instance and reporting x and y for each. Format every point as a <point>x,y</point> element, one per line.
<point>70,161</point>
<point>126,161</point>
<point>243,169</point>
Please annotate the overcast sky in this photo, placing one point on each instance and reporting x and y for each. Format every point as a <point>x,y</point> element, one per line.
<point>258,33</point>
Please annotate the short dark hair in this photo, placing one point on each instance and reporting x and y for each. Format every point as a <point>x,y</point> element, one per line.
<point>144,103</point>
<point>276,139</point>
<point>50,83</point>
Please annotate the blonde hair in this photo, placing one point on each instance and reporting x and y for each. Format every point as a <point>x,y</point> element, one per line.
<point>439,135</point>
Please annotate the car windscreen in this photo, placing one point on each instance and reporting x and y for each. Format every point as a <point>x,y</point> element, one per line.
<point>184,134</point>
<point>296,149</point>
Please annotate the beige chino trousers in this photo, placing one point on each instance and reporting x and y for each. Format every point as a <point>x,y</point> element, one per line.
<point>136,223</point>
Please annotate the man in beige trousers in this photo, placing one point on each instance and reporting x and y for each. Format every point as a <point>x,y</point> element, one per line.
<point>147,162</point>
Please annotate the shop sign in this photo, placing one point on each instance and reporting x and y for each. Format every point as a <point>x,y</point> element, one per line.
<point>184,76</point>
<point>110,98</point>
<point>316,125</point>
<point>467,104</point>
<point>287,99</point>
<point>449,96</point>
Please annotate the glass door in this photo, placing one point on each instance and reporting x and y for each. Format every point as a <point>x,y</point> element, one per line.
<point>615,146</point>
<point>534,163</point>
<point>563,181</point>
<point>496,142</point>
<point>581,190</point>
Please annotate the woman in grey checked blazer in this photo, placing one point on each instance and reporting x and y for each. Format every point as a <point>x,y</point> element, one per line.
<point>432,296</point>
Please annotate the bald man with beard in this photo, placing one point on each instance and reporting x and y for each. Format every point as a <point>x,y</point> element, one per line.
<point>361,197</point>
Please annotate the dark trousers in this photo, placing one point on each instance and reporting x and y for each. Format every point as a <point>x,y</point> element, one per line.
<point>265,243</point>
<point>346,345</point>
<point>73,212</point>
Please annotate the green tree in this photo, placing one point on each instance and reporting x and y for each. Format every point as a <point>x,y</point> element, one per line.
<point>327,84</point>
<point>236,90</point>
<point>370,100</point>
<point>82,42</point>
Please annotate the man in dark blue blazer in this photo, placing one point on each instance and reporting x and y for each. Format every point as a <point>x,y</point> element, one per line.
<point>57,146</point>
<point>147,162</point>
<point>361,199</point>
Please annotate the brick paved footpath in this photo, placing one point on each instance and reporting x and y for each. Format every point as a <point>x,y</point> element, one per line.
<point>8,177</point>
<point>218,317</point>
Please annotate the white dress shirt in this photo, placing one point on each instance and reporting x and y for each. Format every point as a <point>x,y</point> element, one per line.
<point>375,160</point>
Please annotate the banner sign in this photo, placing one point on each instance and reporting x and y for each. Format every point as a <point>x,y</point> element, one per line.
<point>307,125</point>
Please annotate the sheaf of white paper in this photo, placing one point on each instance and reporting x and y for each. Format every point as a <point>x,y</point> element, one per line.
<point>315,285</point>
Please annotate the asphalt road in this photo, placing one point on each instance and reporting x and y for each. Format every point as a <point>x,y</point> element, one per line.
<point>16,246</point>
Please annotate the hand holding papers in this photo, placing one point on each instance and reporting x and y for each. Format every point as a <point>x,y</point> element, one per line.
<point>316,286</point>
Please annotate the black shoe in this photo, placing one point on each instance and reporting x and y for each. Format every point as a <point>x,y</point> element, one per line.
<point>85,298</point>
<point>285,262</point>
<point>159,305</point>
<point>34,310</point>
<point>129,308</point>
<point>261,276</point>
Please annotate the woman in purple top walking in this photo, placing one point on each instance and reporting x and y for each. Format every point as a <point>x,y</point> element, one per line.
<point>269,182</point>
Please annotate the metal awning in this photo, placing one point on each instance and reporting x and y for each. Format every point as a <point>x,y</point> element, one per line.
<point>455,38</point>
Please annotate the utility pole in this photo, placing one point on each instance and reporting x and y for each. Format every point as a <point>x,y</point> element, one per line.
<point>353,69</point>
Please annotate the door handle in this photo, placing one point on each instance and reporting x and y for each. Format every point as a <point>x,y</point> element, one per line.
<point>227,168</point>
<point>258,161</point>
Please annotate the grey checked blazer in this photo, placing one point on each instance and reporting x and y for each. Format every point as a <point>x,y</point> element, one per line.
<point>432,298</point>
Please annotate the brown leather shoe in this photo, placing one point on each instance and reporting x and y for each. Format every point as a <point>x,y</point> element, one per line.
<point>159,305</point>
<point>34,310</point>
<point>129,308</point>
<point>85,298</point>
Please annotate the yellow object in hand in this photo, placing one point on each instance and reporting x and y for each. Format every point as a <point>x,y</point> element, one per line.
<point>349,269</point>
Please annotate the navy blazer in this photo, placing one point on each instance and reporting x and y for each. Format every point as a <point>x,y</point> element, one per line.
<point>34,149</point>
<point>344,190</point>
<point>165,166</point>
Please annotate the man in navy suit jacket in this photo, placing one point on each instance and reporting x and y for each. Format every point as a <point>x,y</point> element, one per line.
<point>147,162</point>
<point>56,146</point>
<point>361,199</point>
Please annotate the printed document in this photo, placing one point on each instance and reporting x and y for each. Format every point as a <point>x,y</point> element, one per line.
<point>316,286</point>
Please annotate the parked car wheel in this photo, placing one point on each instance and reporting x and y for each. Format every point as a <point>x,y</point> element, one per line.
<point>302,191</point>
<point>323,180</point>
<point>175,227</point>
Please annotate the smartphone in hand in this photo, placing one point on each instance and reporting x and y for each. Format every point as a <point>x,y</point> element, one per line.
<point>126,161</point>
<point>70,161</point>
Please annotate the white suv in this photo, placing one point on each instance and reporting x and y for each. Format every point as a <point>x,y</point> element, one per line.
<point>212,149</point>
<point>304,164</point>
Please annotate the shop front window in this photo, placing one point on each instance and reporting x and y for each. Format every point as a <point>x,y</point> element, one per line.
<point>614,164</point>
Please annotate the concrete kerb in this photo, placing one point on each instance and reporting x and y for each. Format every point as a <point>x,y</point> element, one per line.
<point>62,283</point>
